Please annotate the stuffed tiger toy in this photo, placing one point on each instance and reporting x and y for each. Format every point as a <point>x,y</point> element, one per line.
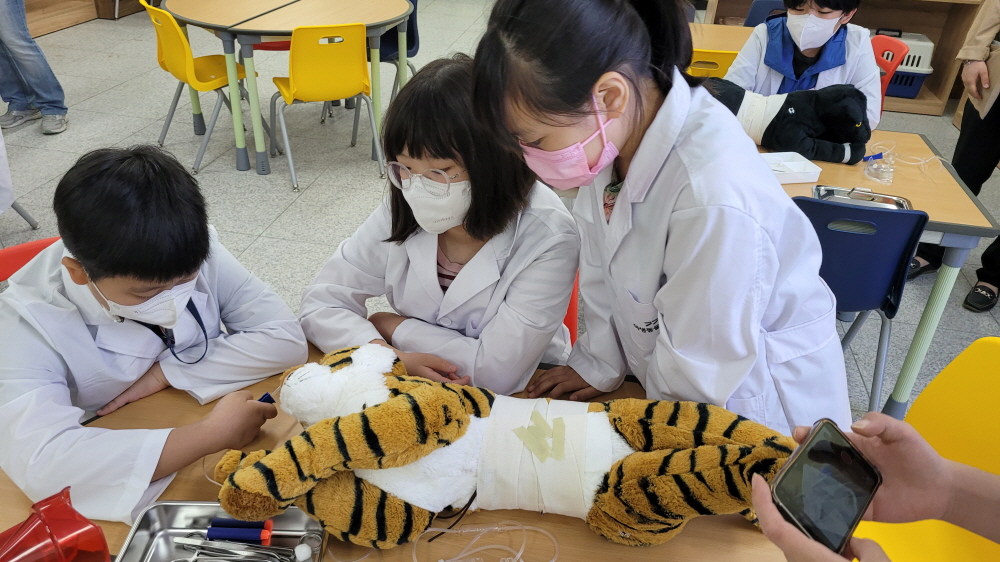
<point>383,453</point>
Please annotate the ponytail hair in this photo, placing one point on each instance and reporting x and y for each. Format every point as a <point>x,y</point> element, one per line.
<point>544,56</point>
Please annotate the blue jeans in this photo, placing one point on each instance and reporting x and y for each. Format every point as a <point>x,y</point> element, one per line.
<point>26,81</point>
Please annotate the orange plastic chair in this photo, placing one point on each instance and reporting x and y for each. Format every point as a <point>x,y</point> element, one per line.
<point>326,62</point>
<point>956,413</point>
<point>572,320</point>
<point>889,54</point>
<point>711,64</point>
<point>14,258</point>
<point>203,74</point>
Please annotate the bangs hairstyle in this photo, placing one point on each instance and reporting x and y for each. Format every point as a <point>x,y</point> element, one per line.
<point>431,117</point>
<point>544,56</point>
<point>133,212</point>
<point>846,6</point>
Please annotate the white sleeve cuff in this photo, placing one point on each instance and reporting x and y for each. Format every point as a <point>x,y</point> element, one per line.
<point>138,487</point>
<point>847,153</point>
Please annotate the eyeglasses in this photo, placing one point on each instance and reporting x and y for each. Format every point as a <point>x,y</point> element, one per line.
<point>438,183</point>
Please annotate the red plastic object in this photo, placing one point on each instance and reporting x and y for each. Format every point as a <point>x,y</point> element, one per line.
<point>273,46</point>
<point>572,320</point>
<point>14,258</point>
<point>54,532</point>
<point>889,54</point>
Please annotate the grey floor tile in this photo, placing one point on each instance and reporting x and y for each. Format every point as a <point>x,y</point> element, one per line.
<point>42,195</point>
<point>184,144</point>
<point>324,214</point>
<point>14,230</point>
<point>857,388</point>
<point>87,130</point>
<point>244,202</point>
<point>235,242</point>
<point>26,166</point>
<point>147,95</point>
<point>117,66</point>
<point>945,346</point>
<point>286,265</point>
<point>78,89</point>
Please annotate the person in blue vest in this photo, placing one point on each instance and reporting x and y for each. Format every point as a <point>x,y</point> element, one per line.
<point>810,47</point>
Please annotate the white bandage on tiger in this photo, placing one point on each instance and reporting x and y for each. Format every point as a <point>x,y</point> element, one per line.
<point>529,466</point>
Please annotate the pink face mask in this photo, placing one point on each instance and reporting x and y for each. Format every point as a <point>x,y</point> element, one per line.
<point>569,168</point>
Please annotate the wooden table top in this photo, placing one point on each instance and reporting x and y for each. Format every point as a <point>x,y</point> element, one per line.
<point>713,37</point>
<point>279,17</point>
<point>282,21</point>
<point>704,539</point>
<point>933,189</point>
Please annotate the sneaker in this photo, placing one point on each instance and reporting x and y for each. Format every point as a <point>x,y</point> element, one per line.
<point>980,299</point>
<point>54,124</point>
<point>15,118</point>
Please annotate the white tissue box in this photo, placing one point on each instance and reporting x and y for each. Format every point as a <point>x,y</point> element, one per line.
<point>792,167</point>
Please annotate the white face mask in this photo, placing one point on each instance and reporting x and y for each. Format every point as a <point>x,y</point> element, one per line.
<point>160,310</point>
<point>438,214</point>
<point>809,31</point>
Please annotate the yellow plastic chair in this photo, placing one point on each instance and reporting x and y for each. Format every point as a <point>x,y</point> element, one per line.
<point>328,62</point>
<point>711,64</point>
<point>956,413</point>
<point>203,74</point>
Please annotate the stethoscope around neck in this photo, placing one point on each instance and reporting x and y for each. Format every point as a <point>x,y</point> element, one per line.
<point>166,335</point>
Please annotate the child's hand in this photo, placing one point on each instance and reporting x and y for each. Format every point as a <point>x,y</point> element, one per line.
<point>562,380</point>
<point>386,323</point>
<point>236,420</point>
<point>149,383</point>
<point>431,367</point>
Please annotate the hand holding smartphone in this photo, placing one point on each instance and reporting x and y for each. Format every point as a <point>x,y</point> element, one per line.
<point>826,486</point>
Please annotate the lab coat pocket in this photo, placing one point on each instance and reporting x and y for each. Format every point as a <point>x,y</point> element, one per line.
<point>752,408</point>
<point>644,320</point>
<point>796,341</point>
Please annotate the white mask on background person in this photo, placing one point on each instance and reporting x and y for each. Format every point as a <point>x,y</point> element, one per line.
<point>809,31</point>
<point>160,310</point>
<point>438,214</point>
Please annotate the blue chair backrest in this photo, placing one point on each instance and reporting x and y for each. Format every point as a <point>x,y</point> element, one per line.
<point>389,49</point>
<point>866,251</point>
<point>759,11</point>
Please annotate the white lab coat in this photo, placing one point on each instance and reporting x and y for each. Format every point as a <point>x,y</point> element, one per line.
<point>63,358</point>
<point>6,184</point>
<point>501,315</point>
<point>705,285</point>
<point>860,69</point>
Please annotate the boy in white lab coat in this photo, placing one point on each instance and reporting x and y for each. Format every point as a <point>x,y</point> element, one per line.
<point>476,259</point>
<point>810,47</point>
<point>129,302</point>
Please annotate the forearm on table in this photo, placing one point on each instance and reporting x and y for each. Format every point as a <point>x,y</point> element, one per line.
<point>975,501</point>
<point>185,445</point>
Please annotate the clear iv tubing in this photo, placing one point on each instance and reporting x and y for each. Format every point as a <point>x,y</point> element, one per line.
<point>466,554</point>
<point>889,147</point>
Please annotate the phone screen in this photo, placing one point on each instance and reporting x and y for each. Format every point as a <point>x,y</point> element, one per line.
<point>827,487</point>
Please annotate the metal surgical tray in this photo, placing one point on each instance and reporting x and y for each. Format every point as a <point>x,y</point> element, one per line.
<point>860,196</point>
<point>152,537</point>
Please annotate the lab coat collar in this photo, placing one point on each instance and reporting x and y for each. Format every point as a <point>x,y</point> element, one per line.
<point>482,270</point>
<point>780,50</point>
<point>656,145</point>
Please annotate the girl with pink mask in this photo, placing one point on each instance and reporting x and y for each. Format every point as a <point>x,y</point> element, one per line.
<point>699,276</point>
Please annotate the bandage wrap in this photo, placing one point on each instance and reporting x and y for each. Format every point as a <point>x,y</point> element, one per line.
<point>520,470</point>
<point>757,111</point>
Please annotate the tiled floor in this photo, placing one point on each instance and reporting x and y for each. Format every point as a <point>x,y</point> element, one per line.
<point>118,95</point>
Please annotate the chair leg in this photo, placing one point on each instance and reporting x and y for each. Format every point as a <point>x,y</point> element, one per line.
<point>24,215</point>
<point>288,147</point>
<point>874,401</point>
<point>220,98</point>
<point>413,69</point>
<point>375,139</point>
<point>854,329</point>
<point>327,110</point>
<point>357,117</point>
<point>275,149</point>
<point>170,113</point>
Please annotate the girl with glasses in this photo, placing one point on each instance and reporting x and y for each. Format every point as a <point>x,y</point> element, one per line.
<point>477,260</point>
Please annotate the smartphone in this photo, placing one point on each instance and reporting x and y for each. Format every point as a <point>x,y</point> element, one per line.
<point>826,486</point>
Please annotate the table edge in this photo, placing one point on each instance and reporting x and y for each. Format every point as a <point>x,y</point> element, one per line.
<point>235,28</point>
<point>968,230</point>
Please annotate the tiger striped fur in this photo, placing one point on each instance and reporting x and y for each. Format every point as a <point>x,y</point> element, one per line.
<point>691,459</point>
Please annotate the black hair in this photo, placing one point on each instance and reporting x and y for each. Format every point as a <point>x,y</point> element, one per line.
<point>132,212</point>
<point>432,117</point>
<point>846,6</point>
<point>546,55</point>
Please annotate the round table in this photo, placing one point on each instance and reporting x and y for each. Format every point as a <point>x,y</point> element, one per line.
<point>246,21</point>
